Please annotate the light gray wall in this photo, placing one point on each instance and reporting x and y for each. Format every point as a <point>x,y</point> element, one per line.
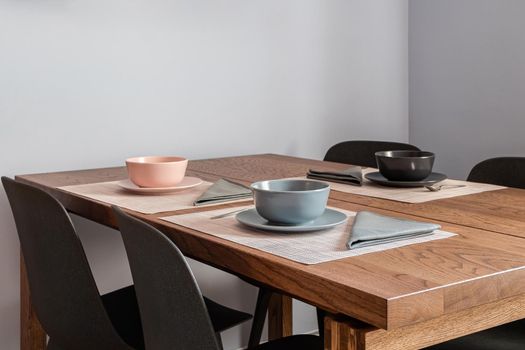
<point>89,83</point>
<point>467,80</point>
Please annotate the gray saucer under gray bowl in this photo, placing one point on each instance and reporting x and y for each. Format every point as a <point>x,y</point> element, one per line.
<point>328,219</point>
<point>430,180</point>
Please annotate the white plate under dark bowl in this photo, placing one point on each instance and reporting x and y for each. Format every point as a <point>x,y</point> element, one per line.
<point>330,218</point>
<point>432,179</point>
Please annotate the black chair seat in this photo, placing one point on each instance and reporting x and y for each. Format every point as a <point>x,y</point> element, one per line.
<point>122,308</point>
<point>123,311</point>
<point>295,342</point>
<point>509,336</point>
<point>222,317</point>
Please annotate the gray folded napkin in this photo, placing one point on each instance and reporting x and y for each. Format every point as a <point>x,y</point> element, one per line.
<point>223,191</point>
<point>352,175</point>
<point>371,229</point>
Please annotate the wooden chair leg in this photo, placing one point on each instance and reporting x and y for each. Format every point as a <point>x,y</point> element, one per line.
<point>32,335</point>
<point>263,299</point>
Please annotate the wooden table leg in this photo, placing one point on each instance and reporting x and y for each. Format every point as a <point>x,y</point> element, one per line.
<point>345,334</point>
<point>280,316</point>
<point>338,336</point>
<point>32,335</point>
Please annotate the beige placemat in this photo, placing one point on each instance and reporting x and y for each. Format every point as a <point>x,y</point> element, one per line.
<point>412,195</point>
<point>112,193</point>
<point>307,247</point>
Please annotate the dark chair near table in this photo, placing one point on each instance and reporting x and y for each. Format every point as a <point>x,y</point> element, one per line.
<point>504,171</point>
<point>510,172</point>
<point>362,152</point>
<point>63,291</point>
<point>173,312</point>
<point>62,288</point>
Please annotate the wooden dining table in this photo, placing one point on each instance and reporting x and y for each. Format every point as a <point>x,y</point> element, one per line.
<point>403,298</point>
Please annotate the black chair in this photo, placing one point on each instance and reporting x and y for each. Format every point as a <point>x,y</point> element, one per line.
<point>504,171</point>
<point>362,153</point>
<point>507,171</point>
<point>62,288</point>
<point>174,314</point>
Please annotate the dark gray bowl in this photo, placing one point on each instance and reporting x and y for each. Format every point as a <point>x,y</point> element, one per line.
<point>290,202</point>
<point>405,165</point>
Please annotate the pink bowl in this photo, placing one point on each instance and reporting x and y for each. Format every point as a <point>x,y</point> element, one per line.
<point>156,171</point>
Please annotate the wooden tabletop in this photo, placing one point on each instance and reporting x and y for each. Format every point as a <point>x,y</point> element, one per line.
<point>484,263</point>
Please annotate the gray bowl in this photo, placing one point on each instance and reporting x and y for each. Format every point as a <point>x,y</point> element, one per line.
<point>290,202</point>
<point>405,165</point>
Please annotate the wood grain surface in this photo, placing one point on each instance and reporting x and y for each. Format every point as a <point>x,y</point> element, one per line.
<point>394,289</point>
<point>500,211</point>
<point>343,333</point>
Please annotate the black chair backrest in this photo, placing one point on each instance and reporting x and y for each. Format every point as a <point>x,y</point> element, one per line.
<point>504,171</point>
<point>362,153</point>
<point>171,305</point>
<point>63,291</point>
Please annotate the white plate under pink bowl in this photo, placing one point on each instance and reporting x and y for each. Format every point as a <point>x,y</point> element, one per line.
<point>186,183</point>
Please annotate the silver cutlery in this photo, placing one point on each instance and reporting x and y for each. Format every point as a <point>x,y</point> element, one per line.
<point>227,214</point>
<point>436,188</point>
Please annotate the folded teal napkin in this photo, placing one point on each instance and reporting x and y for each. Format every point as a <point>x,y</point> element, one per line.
<point>352,175</point>
<point>223,191</point>
<point>371,229</point>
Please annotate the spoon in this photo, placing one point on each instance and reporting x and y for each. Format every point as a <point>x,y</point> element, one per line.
<point>435,188</point>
